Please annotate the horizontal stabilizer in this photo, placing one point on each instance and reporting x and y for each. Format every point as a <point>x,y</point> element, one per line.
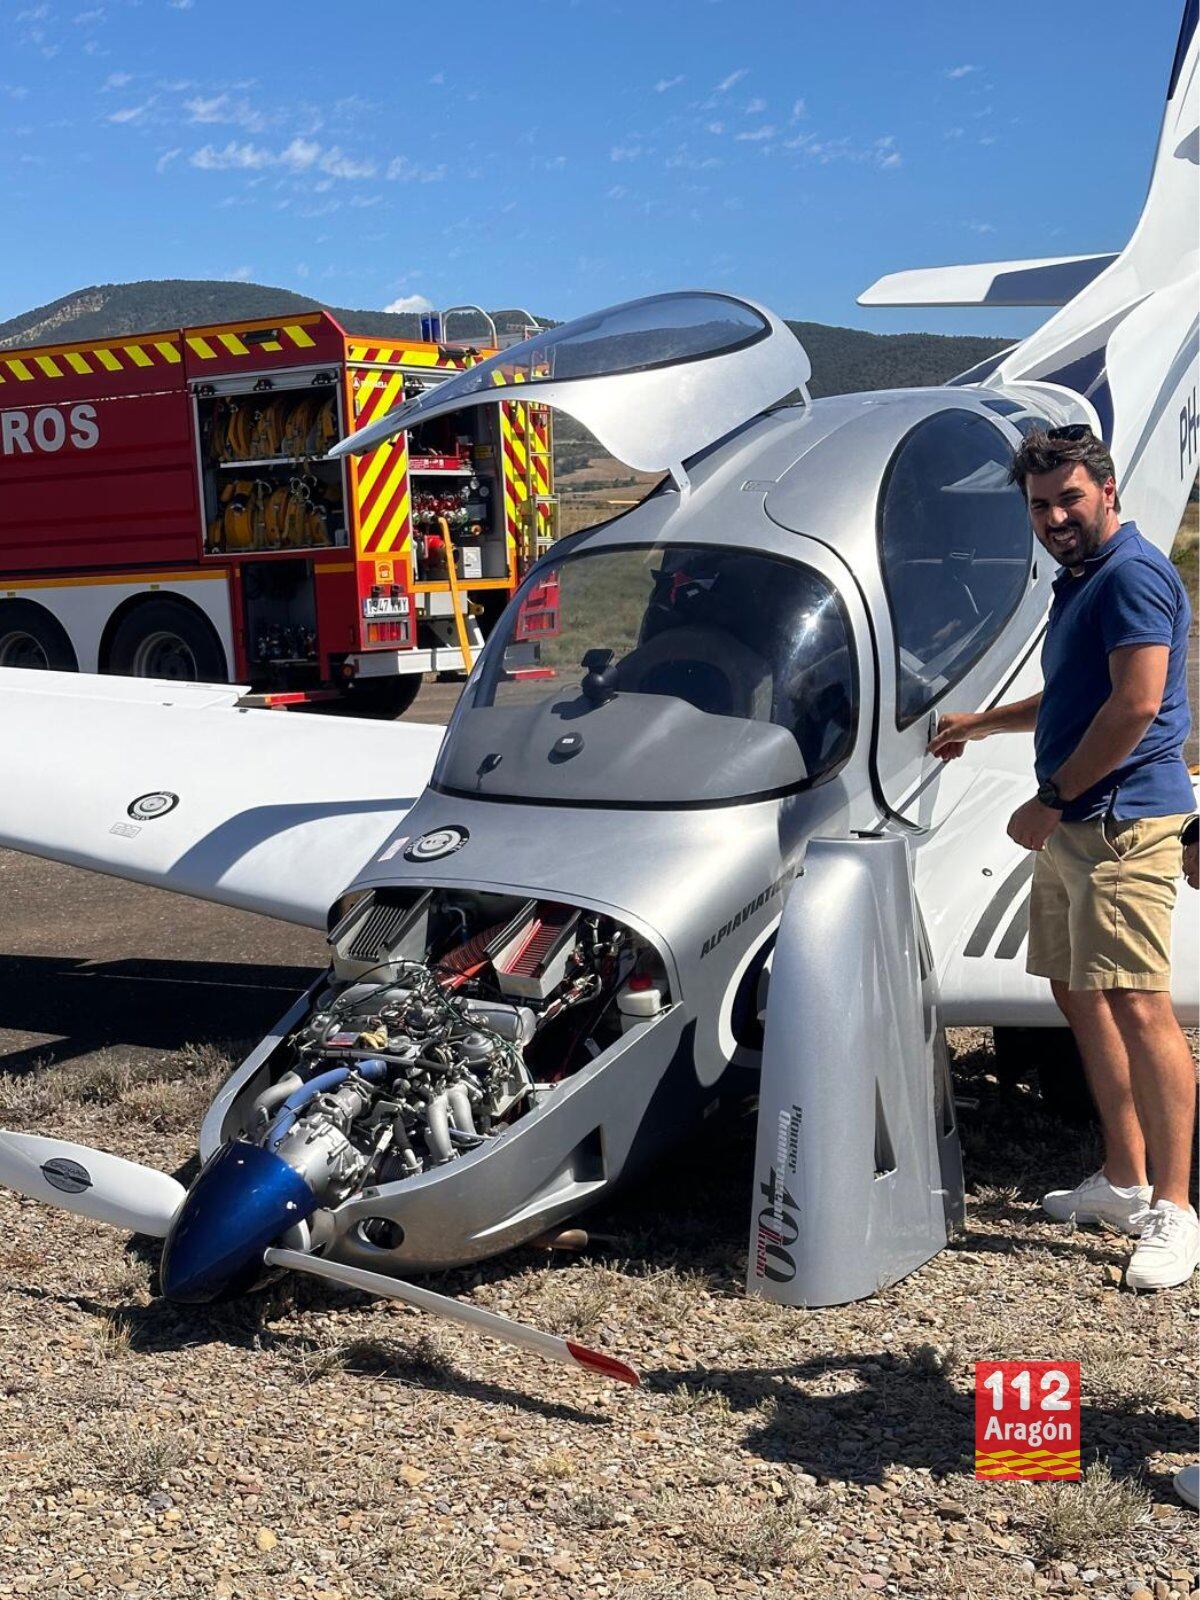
<point>1049,281</point>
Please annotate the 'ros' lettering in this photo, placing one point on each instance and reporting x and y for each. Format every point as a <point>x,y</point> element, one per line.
<point>47,430</point>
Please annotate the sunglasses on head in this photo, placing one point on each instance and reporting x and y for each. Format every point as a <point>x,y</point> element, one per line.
<point>1071,432</point>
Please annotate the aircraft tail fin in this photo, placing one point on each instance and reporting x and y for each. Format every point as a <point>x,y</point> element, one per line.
<point>1126,340</point>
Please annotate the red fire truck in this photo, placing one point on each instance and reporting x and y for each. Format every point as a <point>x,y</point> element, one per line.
<point>166,510</point>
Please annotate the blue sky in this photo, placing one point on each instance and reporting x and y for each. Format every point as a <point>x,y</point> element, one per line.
<point>562,155</point>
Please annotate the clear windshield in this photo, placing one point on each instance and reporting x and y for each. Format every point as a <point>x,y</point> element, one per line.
<point>661,330</point>
<point>676,674</point>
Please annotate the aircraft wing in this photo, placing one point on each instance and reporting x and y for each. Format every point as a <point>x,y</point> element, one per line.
<point>973,886</point>
<point>174,784</point>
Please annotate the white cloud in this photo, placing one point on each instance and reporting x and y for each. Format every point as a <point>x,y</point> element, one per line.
<point>246,157</point>
<point>734,77</point>
<point>981,227</point>
<point>181,5</point>
<point>756,135</point>
<point>625,152</point>
<point>617,192</point>
<point>339,165</point>
<point>664,84</point>
<point>755,107</point>
<point>83,19</point>
<point>799,109</point>
<point>116,80</point>
<point>131,113</point>
<point>410,302</point>
<point>892,159</point>
<point>555,163</point>
<point>438,77</point>
<point>301,155</point>
<point>165,160</point>
<point>221,108</point>
<point>16,91</point>
<point>239,275</point>
<point>961,72</point>
<point>714,127</point>
<point>402,170</point>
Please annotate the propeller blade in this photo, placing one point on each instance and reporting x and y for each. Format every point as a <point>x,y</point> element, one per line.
<point>489,1322</point>
<point>89,1182</point>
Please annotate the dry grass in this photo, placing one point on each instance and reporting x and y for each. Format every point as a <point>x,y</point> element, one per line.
<point>757,1537</point>
<point>138,1458</point>
<point>423,1361</point>
<point>169,1095</point>
<point>1085,1519</point>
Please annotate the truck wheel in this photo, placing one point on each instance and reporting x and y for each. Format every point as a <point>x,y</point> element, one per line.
<point>1050,1057</point>
<point>31,637</point>
<point>382,698</point>
<point>163,639</point>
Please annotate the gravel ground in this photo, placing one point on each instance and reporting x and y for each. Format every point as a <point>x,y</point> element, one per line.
<point>309,1443</point>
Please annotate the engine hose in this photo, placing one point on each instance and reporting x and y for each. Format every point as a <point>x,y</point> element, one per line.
<point>437,1129</point>
<point>286,1117</point>
<point>460,1108</point>
<point>276,1094</point>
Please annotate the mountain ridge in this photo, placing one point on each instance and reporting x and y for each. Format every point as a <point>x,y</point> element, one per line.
<point>845,360</point>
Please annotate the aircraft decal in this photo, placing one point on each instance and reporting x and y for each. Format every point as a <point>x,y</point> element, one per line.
<point>149,806</point>
<point>981,935</point>
<point>747,911</point>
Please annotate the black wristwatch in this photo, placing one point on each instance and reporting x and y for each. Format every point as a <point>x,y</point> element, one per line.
<point>1048,795</point>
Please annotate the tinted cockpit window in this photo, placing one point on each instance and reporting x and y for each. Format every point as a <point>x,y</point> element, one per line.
<point>737,668</point>
<point>955,547</point>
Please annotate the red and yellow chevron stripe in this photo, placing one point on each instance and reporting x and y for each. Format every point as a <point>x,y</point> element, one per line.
<point>82,361</point>
<point>381,490</point>
<point>411,355</point>
<point>210,343</point>
<point>1027,1464</point>
<point>514,469</point>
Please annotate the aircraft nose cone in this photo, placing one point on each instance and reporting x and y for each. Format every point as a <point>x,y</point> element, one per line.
<point>244,1199</point>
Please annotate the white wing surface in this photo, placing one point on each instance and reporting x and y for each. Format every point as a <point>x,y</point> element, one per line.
<point>174,784</point>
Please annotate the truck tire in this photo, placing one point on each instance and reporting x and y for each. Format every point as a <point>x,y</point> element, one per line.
<point>381,698</point>
<point>164,639</point>
<point>1049,1057</point>
<point>31,637</point>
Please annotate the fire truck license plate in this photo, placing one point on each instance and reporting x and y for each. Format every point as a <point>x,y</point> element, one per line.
<point>385,606</point>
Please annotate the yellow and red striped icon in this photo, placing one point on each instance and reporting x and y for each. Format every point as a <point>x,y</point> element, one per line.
<point>1027,1464</point>
<point>381,477</point>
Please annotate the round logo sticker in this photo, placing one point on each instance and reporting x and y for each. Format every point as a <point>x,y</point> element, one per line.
<point>69,1176</point>
<point>433,846</point>
<point>148,806</point>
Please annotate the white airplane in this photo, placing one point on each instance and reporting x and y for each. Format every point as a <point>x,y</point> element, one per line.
<point>563,933</point>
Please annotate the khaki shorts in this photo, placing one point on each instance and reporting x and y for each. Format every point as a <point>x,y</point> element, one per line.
<point>1101,904</point>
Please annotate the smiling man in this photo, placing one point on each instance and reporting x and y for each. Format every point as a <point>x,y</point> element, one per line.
<point>1113,795</point>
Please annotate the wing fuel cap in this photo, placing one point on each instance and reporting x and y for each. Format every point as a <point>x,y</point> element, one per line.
<point>566,746</point>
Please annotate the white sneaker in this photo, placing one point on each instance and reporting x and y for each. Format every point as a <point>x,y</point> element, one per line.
<point>1097,1200</point>
<point>1168,1248</point>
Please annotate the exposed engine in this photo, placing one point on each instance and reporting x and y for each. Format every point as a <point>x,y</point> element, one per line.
<point>447,1016</point>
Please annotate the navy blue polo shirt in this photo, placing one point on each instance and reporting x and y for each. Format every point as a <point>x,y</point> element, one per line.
<point>1128,593</point>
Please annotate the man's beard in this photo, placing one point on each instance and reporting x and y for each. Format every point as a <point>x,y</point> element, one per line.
<point>1087,537</point>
